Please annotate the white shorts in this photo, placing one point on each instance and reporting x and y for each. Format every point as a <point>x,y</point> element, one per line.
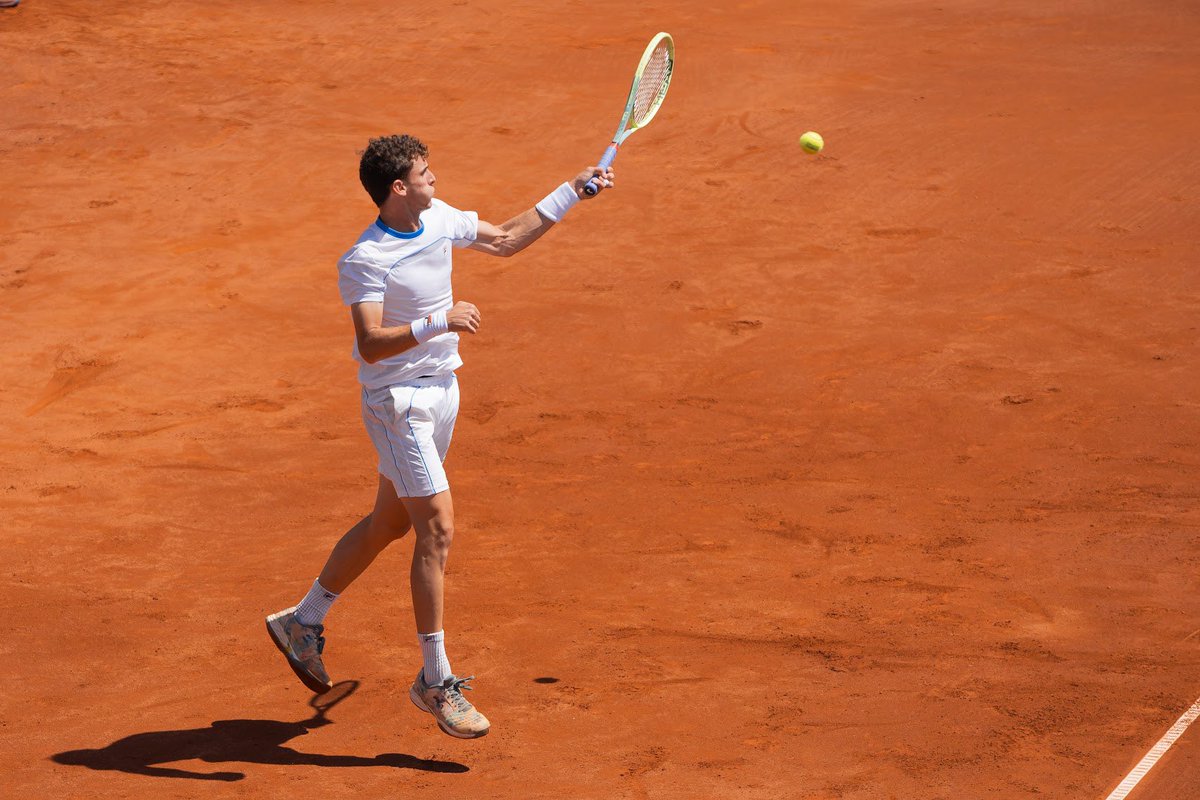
<point>411,425</point>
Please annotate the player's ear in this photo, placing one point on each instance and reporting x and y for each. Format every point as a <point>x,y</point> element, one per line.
<point>399,188</point>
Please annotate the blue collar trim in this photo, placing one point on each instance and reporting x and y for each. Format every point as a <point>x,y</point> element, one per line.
<point>398,234</point>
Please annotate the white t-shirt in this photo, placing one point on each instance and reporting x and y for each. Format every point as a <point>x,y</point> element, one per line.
<point>410,274</point>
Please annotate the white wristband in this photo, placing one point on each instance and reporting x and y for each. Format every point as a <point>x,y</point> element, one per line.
<point>555,205</point>
<point>426,328</point>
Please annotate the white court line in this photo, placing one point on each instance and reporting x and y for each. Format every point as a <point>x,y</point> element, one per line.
<point>1156,752</point>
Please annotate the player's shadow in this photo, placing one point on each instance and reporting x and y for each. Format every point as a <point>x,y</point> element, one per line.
<point>254,741</point>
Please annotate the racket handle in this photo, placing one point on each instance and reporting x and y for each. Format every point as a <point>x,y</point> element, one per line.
<point>591,187</point>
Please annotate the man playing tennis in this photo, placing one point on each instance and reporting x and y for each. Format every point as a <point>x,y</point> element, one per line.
<point>396,281</point>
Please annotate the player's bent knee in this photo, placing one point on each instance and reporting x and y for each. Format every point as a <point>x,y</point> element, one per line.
<point>396,530</point>
<point>439,535</point>
<point>443,536</point>
<point>388,529</point>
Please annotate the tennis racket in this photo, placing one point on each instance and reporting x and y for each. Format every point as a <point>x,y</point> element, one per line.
<point>650,83</point>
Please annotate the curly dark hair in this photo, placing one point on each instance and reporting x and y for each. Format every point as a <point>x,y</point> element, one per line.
<point>386,160</point>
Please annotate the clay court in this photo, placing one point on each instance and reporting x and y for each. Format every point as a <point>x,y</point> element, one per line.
<point>869,474</point>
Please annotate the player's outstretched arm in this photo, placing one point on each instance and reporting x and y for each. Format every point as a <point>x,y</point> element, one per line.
<point>527,227</point>
<point>375,342</point>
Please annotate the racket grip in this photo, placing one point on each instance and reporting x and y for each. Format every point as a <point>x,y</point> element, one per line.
<point>591,187</point>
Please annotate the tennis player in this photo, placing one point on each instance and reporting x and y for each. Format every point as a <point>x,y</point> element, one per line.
<point>396,281</point>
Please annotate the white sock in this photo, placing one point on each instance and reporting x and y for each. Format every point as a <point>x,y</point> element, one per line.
<point>433,649</point>
<point>315,605</point>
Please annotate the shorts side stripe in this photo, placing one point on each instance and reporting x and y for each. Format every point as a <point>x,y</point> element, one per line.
<point>391,450</point>
<point>417,441</point>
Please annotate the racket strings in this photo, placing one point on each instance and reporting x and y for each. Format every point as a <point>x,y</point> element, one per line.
<point>652,86</point>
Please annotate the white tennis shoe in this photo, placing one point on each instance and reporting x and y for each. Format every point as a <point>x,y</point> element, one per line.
<point>454,713</point>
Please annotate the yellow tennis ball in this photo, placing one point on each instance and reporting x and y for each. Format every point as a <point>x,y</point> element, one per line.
<point>811,142</point>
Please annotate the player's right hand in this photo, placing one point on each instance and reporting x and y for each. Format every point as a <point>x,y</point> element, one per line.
<point>463,318</point>
<point>605,178</point>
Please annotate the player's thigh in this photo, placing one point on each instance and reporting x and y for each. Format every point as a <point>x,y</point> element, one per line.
<point>389,515</point>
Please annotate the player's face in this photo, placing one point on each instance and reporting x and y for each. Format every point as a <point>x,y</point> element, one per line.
<point>419,184</point>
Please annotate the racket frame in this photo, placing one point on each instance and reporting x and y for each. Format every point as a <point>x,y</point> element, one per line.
<point>624,130</point>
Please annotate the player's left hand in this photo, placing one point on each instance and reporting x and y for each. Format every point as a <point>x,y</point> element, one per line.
<point>605,176</point>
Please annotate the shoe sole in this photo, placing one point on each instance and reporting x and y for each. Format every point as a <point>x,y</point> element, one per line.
<point>305,677</point>
<point>416,701</point>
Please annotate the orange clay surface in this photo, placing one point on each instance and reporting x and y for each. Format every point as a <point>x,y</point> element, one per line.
<point>872,474</point>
